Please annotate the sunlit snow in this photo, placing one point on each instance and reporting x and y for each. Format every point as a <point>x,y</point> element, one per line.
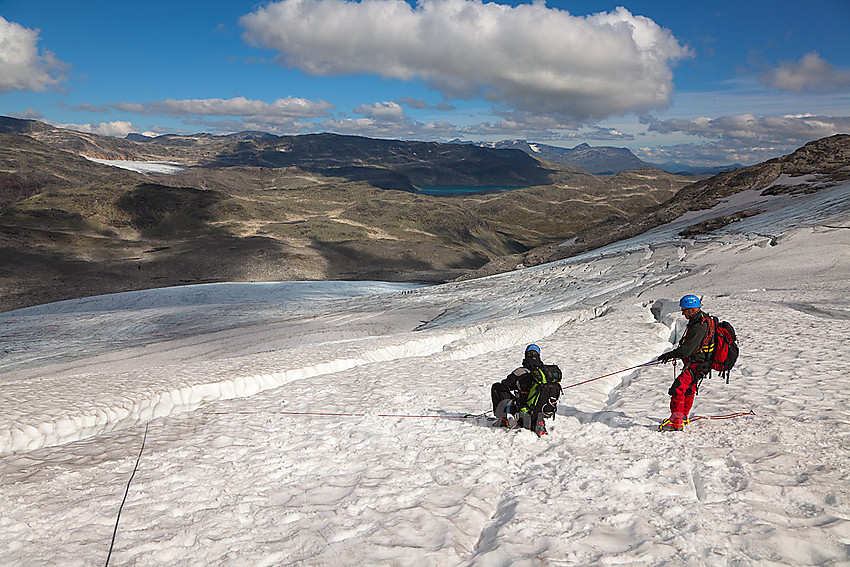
<point>141,166</point>
<point>323,423</point>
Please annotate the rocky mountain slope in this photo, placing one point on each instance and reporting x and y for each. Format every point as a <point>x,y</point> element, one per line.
<point>599,160</point>
<point>602,160</point>
<point>387,164</point>
<point>259,208</point>
<point>816,166</point>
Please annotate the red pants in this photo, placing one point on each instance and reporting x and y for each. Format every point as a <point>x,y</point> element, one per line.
<point>682,394</point>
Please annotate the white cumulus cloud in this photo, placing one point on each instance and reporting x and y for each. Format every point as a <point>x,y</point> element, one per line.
<point>119,128</point>
<point>382,111</point>
<point>748,127</point>
<point>422,105</point>
<point>287,108</point>
<point>742,138</point>
<point>812,73</point>
<point>529,57</point>
<point>22,66</point>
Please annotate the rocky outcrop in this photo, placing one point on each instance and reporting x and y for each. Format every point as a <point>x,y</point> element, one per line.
<point>9,125</point>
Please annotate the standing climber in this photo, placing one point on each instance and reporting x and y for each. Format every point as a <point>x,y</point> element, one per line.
<point>695,350</point>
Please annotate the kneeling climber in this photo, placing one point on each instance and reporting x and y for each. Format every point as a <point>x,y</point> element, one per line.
<point>528,395</point>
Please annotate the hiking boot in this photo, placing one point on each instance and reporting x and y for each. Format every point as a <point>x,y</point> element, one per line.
<point>540,428</point>
<point>669,421</point>
<point>668,425</point>
<point>508,421</point>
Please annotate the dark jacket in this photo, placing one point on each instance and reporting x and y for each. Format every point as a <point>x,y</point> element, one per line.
<point>519,381</point>
<point>695,346</point>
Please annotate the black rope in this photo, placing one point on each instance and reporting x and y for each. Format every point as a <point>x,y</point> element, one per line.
<point>126,492</point>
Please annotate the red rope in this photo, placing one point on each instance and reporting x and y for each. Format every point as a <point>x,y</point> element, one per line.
<point>611,374</point>
<point>435,416</point>
<point>326,414</point>
<point>727,416</point>
<point>467,416</point>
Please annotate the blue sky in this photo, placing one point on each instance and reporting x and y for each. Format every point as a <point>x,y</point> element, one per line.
<point>703,83</point>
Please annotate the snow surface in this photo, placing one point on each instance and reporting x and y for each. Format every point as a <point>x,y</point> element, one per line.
<point>321,423</point>
<point>141,166</point>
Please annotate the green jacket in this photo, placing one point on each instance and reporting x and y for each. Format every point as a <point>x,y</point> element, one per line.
<point>694,347</point>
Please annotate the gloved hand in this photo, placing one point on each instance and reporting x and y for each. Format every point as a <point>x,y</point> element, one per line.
<point>665,357</point>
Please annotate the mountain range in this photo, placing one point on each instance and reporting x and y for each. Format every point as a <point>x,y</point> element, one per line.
<point>257,207</point>
<point>254,207</point>
<point>601,160</point>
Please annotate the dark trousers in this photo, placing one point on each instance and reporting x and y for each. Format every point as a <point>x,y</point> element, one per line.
<point>501,395</point>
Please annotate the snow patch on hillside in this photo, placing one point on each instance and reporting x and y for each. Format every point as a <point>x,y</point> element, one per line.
<point>141,166</point>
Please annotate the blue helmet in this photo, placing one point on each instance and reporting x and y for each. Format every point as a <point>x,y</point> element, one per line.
<point>690,302</point>
<point>534,348</point>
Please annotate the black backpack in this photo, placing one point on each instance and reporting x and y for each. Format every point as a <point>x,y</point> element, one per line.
<point>545,391</point>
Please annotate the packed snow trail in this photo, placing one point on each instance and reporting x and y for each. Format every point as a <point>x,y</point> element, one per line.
<point>237,482</point>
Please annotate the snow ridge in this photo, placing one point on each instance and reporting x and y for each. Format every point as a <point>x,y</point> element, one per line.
<point>466,342</point>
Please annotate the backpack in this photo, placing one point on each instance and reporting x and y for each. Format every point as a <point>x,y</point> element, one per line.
<point>725,348</point>
<point>545,390</point>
